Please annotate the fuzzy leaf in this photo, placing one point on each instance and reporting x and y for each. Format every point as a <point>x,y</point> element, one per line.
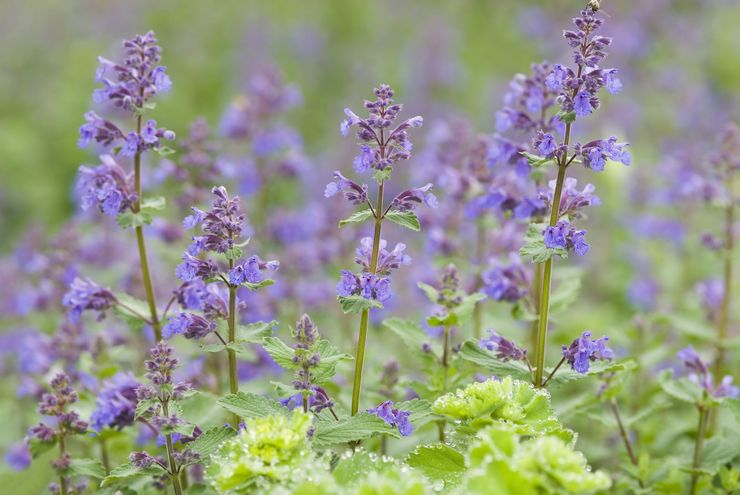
<point>234,253</point>
<point>91,468</point>
<point>720,450</point>
<point>534,245</point>
<point>382,175</point>
<point>406,219</point>
<point>353,428</point>
<point>356,217</point>
<point>153,204</point>
<point>431,293</point>
<point>126,471</point>
<point>410,332</point>
<point>258,285</point>
<point>280,352</point>
<point>38,447</point>
<point>219,347</point>
<point>247,405</point>
<point>143,406</point>
<point>208,442</point>
<point>330,357</point>
<point>595,368</point>
<point>567,117</point>
<point>470,351</point>
<point>536,160</point>
<point>254,333</point>
<point>682,389</point>
<point>357,304</point>
<point>438,462</point>
<point>360,464</point>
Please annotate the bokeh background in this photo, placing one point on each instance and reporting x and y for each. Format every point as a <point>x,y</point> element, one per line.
<point>447,60</point>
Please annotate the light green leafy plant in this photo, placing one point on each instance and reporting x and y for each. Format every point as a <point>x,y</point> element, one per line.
<point>272,450</point>
<point>501,462</point>
<point>510,401</point>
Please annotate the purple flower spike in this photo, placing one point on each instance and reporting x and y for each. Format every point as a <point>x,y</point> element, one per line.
<point>116,402</point>
<point>583,350</point>
<point>354,192</point>
<point>409,199</point>
<point>394,417</point>
<point>83,295</point>
<point>249,271</point>
<point>190,325</point>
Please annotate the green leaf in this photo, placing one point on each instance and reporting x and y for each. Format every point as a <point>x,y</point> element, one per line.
<point>382,175</point>
<point>185,430</point>
<point>234,253</point>
<point>682,389</point>
<point>264,283</point>
<point>720,450</point>
<point>470,351</point>
<point>247,405</point>
<point>438,462</point>
<point>420,409</point>
<point>219,347</point>
<point>38,447</point>
<point>534,245</point>
<point>280,352</point>
<point>356,217</point>
<point>254,333</point>
<point>564,294</point>
<point>410,332</point>
<point>406,219</point>
<point>567,117</point>
<point>126,471</point>
<point>164,150</point>
<point>91,468</point>
<point>594,369</point>
<point>357,304</point>
<point>431,293</point>
<point>129,220</point>
<point>153,204</point>
<point>358,427</point>
<point>330,357</point>
<point>143,406</point>
<point>359,465</point>
<point>208,442</point>
<point>536,160</point>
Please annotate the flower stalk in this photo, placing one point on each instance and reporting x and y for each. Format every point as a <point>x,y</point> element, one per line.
<point>701,433</point>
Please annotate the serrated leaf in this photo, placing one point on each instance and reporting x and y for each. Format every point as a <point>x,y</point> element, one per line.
<point>254,333</point>
<point>567,117</point>
<point>153,204</point>
<point>91,468</point>
<point>410,332</point>
<point>470,351</point>
<point>536,160</point>
<point>209,440</point>
<point>280,352</point>
<point>219,347</point>
<point>259,285</point>
<point>234,253</point>
<point>357,466</point>
<point>38,447</point>
<point>247,405</point>
<point>720,450</point>
<point>140,307</point>
<point>354,428</point>
<point>126,471</point>
<point>185,430</point>
<point>330,357</point>
<point>594,369</point>
<point>429,291</point>
<point>382,175</point>
<point>438,462</point>
<point>143,406</point>
<point>534,247</point>
<point>406,219</point>
<point>420,409</point>
<point>129,219</point>
<point>357,304</point>
<point>164,150</point>
<point>356,217</point>
<point>682,389</point>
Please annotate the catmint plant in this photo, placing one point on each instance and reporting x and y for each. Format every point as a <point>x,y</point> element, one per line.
<point>578,97</point>
<point>129,85</point>
<point>382,146</point>
<point>65,424</point>
<point>208,289</point>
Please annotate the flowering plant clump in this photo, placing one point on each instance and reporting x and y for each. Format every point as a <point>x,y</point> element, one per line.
<point>170,352</point>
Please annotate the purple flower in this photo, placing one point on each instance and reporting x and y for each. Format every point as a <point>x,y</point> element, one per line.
<point>348,284</point>
<point>99,129</point>
<point>410,198</point>
<point>556,78</point>
<point>594,158</point>
<point>712,293</point>
<point>249,271</point>
<point>106,186</point>
<point>354,192</point>
<point>84,294</point>
<point>506,282</point>
<point>611,81</point>
<point>192,268</point>
<point>700,374</point>
<point>583,350</point>
<point>192,326</point>
<point>547,145</point>
<point>131,145</point>
<point>18,457</point>
<point>387,260</point>
<point>394,417</point>
<point>582,104</point>
<point>364,160</point>
<point>555,236</point>
<point>505,349</point>
<point>115,404</point>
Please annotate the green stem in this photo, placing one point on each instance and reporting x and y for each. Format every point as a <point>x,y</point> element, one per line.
<point>552,373</point>
<point>145,274</point>
<point>623,432</point>
<point>723,322</point>
<point>63,489</point>
<point>536,287</point>
<point>174,471</point>
<point>233,376</point>
<point>698,446</point>
<point>546,277</point>
<point>364,318</point>
<point>480,252</point>
<point>445,371</point>
<point>104,455</point>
